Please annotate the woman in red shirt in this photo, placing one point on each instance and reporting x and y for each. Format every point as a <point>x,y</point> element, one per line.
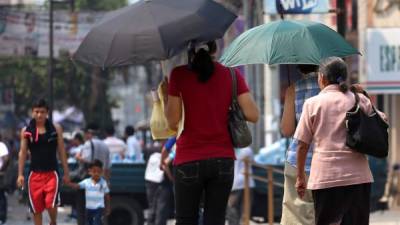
<point>204,153</point>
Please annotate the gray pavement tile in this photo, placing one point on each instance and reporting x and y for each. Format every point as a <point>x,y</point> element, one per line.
<point>18,213</point>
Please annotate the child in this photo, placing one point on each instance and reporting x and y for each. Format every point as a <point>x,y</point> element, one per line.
<point>96,192</point>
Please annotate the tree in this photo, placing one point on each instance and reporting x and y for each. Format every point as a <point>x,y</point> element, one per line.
<point>97,107</point>
<point>100,4</point>
<point>76,85</point>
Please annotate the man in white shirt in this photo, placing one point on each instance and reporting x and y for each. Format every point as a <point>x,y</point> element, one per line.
<point>134,150</point>
<point>77,145</point>
<point>235,201</point>
<point>3,166</point>
<point>94,148</point>
<point>116,146</point>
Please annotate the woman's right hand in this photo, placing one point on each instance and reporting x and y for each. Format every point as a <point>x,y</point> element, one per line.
<point>301,186</point>
<point>164,156</point>
<point>21,181</point>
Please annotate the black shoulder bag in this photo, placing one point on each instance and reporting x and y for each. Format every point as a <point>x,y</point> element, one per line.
<point>367,134</point>
<point>237,125</point>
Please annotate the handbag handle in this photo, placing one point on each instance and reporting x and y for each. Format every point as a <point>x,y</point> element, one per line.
<point>234,86</point>
<point>353,89</point>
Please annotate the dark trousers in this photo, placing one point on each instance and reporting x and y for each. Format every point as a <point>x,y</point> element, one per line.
<point>235,207</point>
<point>160,200</point>
<point>94,216</point>
<point>214,177</point>
<point>345,205</point>
<point>80,207</point>
<point>3,206</point>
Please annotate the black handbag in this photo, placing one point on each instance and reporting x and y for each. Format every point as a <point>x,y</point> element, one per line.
<point>367,134</point>
<point>237,125</point>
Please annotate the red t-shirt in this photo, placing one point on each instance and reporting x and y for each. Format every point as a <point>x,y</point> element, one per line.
<point>206,106</point>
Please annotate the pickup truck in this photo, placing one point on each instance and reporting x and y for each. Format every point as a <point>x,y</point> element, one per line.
<point>128,194</point>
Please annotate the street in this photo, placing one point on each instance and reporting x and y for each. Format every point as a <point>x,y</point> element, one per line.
<point>17,215</point>
<point>255,100</point>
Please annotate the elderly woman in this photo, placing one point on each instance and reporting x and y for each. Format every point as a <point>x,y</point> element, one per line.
<point>340,178</point>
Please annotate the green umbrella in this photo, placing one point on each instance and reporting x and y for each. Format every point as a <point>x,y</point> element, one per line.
<point>286,42</point>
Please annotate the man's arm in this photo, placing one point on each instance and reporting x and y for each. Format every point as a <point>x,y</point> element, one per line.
<point>21,159</point>
<point>167,170</point>
<point>107,164</point>
<point>288,122</point>
<point>5,162</point>
<point>73,185</point>
<point>125,149</point>
<point>107,174</point>
<point>62,153</point>
<point>107,201</point>
<point>81,156</point>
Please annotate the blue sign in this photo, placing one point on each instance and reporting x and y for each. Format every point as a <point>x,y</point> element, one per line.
<point>296,6</point>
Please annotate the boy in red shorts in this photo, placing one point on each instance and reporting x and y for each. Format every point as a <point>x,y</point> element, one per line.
<point>43,139</point>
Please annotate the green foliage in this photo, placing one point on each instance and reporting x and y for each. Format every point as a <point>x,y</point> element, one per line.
<point>74,85</point>
<point>28,77</point>
<point>80,85</point>
<point>100,5</point>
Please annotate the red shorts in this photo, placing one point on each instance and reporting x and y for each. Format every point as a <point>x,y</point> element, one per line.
<point>43,190</point>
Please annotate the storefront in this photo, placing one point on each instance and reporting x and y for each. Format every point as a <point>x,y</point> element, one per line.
<point>379,32</point>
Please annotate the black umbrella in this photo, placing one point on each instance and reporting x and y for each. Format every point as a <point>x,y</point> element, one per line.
<point>152,30</point>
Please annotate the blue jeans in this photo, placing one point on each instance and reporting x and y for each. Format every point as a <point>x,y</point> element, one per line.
<point>94,216</point>
<point>214,178</point>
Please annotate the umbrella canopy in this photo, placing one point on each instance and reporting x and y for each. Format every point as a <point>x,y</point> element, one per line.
<point>152,30</point>
<point>286,42</point>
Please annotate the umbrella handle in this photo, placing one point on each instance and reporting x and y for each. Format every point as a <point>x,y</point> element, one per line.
<point>280,10</point>
<point>191,52</point>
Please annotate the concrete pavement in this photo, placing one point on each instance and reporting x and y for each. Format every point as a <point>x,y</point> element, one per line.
<point>17,215</point>
<point>391,217</point>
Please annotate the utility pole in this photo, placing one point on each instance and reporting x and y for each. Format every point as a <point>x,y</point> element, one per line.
<point>50,73</point>
<point>341,17</point>
<point>254,73</point>
<point>51,65</point>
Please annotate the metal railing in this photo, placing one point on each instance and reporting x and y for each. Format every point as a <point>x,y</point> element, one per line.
<point>269,180</point>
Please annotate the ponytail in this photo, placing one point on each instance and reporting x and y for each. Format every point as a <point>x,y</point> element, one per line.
<point>343,87</point>
<point>203,63</point>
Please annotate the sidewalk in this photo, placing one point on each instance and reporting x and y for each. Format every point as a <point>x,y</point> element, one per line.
<point>391,217</point>
<point>17,215</point>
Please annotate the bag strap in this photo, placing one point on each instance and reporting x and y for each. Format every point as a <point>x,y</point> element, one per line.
<point>92,151</point>
<point>234,85</point>
<point>353,89</point>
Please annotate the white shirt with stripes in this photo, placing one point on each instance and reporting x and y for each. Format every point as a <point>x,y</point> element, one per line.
<point>94,192</point>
